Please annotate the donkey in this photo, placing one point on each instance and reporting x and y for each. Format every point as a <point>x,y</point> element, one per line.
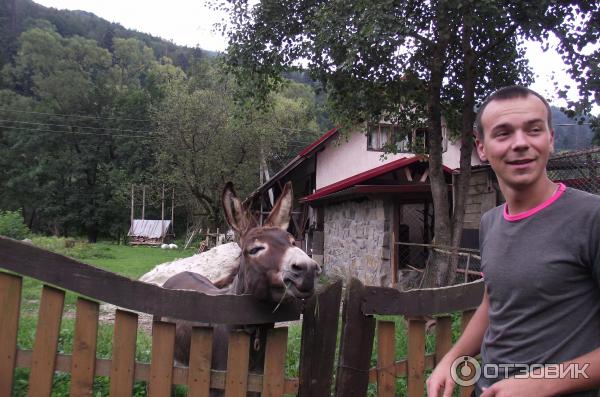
<point>271,269</point>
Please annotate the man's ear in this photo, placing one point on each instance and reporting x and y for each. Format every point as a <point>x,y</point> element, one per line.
<point>480,149</point>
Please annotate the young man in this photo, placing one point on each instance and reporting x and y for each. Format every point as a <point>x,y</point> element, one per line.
<point>541,264</point>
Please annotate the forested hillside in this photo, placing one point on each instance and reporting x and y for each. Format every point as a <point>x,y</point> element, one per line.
<point>88,108</point>
<point>16,16</point>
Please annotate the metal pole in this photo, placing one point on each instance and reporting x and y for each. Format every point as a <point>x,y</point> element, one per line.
<point>143,202</point>
<point>162,215</point>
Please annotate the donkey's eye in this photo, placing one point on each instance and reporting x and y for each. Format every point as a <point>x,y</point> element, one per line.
<point>256,250</point>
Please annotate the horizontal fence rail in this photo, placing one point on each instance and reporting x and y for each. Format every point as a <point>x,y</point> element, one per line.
<point>87,280</point>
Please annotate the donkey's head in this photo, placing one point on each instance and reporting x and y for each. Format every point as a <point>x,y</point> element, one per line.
<point>271,266</point>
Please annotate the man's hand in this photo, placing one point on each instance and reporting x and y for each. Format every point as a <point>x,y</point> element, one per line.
<point>512,387</point>
<point>440,381</point>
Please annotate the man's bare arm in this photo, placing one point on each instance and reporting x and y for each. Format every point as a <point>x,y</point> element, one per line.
<point>468,344</point>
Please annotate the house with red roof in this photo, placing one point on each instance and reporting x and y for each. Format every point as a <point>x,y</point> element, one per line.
<point>355,202</point>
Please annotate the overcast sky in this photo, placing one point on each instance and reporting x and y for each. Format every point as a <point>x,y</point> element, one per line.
<point>190,22</point>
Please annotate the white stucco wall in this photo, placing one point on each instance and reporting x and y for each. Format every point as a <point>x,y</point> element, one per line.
<point>344,157</point>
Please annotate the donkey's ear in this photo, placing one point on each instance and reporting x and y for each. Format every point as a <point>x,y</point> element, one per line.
<point>234,211</point>
<point>282,210</point>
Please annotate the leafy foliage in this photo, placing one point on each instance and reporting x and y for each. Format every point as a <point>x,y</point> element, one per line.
<point>80,121</point>
<point>11,225</point>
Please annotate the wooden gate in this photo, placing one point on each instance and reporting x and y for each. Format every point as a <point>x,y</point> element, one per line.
<point>361,303</point>
<point>60,273</point>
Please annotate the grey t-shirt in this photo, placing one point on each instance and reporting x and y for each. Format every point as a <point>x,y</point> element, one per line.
<point>542,274</point>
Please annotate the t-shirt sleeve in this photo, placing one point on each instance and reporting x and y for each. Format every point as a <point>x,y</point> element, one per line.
<point>595,247</point>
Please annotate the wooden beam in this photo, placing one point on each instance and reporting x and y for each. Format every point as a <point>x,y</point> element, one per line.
<point>121,291</point>
<point>423,302</point>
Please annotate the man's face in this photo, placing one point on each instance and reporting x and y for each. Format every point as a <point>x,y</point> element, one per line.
<point>517,140</point>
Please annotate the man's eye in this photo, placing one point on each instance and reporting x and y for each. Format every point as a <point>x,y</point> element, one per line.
<point>256,250</point>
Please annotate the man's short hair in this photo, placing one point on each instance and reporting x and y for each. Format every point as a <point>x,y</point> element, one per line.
<point>510,92</point>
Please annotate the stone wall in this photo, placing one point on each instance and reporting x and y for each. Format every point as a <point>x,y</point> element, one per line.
<point>357,240</point>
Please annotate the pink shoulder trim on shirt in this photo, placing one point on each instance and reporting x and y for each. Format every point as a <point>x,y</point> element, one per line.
<point>536,209</point>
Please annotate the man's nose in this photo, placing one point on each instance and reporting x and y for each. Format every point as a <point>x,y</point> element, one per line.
<point>520,141</point>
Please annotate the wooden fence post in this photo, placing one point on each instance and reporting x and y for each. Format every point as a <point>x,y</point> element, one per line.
<point>443,337</point>
<point>464,321</point>
<point>161,367</point>
<point>10,302</point>
<point>386,355</point>
<point>46,342</point>
<point>200,362</point>
<point>122,366</point>
<point>356,344</point>
<point>83,363</point>
<point>319,334</point>
<point>416,357</point>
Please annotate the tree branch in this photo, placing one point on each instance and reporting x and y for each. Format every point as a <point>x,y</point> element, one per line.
<point>512,29</point>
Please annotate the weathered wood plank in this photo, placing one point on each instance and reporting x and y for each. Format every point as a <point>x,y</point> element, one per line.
<point>274,371</point>
<point>161,367</point>
<point>134,295</point>
<point>319,334</point>
<point>424,302</point>
<point>443,337</point>
<point>356,344</point>
<point>464,321</point>
<point>386,349</point>
<point>46,341</point>
<point>236,380</point>
<point>142,372</point>
<point>83,361</point>
<point>10,302</point>
<point>416,357</point>
<point>123,360</point>
<point>200,362</point>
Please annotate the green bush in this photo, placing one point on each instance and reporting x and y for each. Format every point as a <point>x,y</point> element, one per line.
<point>12,225</point>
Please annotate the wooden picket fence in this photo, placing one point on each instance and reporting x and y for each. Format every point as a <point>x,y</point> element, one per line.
<point>361,303</point>
<point>60,273</point>
<point>318,341</point>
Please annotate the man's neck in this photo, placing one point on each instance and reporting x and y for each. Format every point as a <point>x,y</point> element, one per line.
<point>521,200</point>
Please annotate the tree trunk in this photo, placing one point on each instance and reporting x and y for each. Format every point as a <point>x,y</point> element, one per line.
<point>461,189</point>
<point>92,233</point>
<point>436,270</point>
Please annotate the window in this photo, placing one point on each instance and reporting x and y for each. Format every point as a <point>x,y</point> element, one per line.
<point>380,135</point>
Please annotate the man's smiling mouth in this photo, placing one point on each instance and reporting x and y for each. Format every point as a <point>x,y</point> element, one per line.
<point>520,162</point>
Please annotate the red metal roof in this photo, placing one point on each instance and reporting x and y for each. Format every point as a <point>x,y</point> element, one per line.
<point>363,176</point>
<point>319,142</point>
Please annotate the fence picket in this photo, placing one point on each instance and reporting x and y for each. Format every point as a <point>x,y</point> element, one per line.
<point>416,357</point>
<point>386,349</point>
<point>10,302</point>
<point>46,342</point>
<point>161,367</point>
<point>464,321</point>
<point>443,337</point>
<point>83,361</point>
<point>236,380</point>
<point>200,362</point>
<point>319,333</point>
<point>274,371</point>
<point>123,359</point>
<point>356,344</point>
